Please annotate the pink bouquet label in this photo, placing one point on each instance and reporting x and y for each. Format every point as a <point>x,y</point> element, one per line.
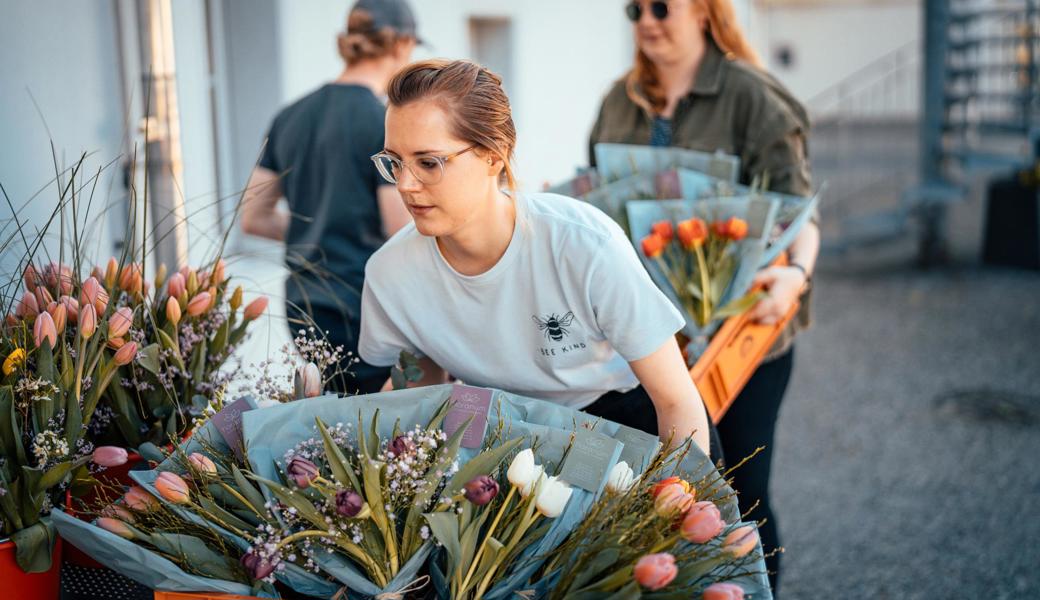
<point>469,402</point>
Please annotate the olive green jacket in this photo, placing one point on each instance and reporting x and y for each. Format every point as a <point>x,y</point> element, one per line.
<point>738,109</point>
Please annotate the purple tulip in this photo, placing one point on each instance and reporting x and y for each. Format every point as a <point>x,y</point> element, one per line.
<point>301,471</point>
<point>401,445</point>
<point>349,503</point>
<point>480,490</point>
<point>257,567</point>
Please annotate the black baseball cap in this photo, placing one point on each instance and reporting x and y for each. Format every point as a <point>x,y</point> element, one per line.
<point>395,14</point>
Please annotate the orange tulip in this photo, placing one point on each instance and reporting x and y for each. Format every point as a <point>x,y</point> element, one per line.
<point>111,272</point>
<point>173,311</point>
<point>218,272</point>
<point>31,277</point>
<point>43,297</point>
<point>653,245</point>
<point>663,229</point>
<point>87,321</point>
<point>136,498</point>
<point>125,354</point>
<point>212,297</point>
<point>71,308</point>
<point>733,228</point>
<point>255,308</point>
<point>93,293</point>
<point>120,321</point>
<point>673,501</point>
<point>28,306</point>
<point>740,541</point>
<point>723,590</point>
<point>667,481</point>
<point>130,278</point>
<point>115,526</point>
<point>692,233</point>
<point>172,487</point>
<point>202,463</point>
<point>199,304</point>
<point>176,285</point>
<point>60,315</point>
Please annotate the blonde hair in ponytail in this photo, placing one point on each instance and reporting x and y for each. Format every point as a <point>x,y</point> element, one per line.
<point>723,28</point>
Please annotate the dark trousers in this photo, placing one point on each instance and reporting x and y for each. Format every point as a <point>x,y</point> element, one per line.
<point>354,378</point>
<point>635,409</point>
<point>749,424</point>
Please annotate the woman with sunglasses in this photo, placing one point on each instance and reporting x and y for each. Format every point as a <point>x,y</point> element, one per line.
<point>537,294</point>
<point>697,83</point>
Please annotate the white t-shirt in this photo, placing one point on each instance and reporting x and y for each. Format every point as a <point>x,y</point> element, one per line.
<point>557,318</point>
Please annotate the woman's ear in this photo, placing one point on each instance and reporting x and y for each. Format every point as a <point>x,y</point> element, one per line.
<point>494,165</point>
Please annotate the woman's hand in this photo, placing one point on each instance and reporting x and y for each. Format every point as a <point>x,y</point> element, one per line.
<point>783,285</point>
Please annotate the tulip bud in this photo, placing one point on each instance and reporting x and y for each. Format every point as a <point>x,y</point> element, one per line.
<point>172,487</point>
<point>662,229</point>
<point>702,523</point>
<point>173,311</point>
<point>310,380</point>
<point>59,315</point>
<point>130,278</point>
<point>202,463</point>
<point>109,456</point>
<point>255,308</point>
<point>655,571</point>
<point>87,321</point>
<point>120,321</point>
<point>255,566</point>
<point>552,497</point>
<point>236,298</point>
<point>111,272</point>
<point>136,498</point>
<point>71,308</point>
<point>523,473</point>
<point>401,446</point>
<point>203,279</point>
<point>349,503</point>
<point>125,354</point>
<point>692,233</point>
<point>218,273</point>
<point>11,320</point>
<point>480,490</point>
<point>28,307</point>
<point>44,330</point>
<point>160,276</point>
<point>193,282</point>
<point>93,293</point>
<point>740,541</point>
<point>621,478</point>
<point>115,526</point>
<point>43,297</point>
<point>667,481</point>
<point>653,245</point>
<point>199,304</point>
<point>175,286</point>
<point>31,278</point>
<point>116,511</point>
<point>723,590</point>
<point>672,502</point>
<point>212,298</point>
<point>302,471</point>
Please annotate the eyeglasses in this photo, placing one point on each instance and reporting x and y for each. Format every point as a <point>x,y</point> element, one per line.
<point>427,168</point>
<point>658,8</point>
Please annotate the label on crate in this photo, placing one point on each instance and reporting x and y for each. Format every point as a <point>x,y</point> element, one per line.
<point>229,423</point>
<point>466,402</point>
<point>589,459</point>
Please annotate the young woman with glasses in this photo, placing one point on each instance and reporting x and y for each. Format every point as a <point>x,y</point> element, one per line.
<point>537,294</point>
<point>697,83</point>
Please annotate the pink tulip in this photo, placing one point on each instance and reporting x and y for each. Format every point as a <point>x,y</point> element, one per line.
<point>44,330</point>
<point>115,526</point>
<point>94,294</point>
<point>125,354</point>
<point>172,487</point>
<point>655,571</point>
<point>130,278</point>
<point>116,343</point>
<point>59,315</point>
<point>199,304</point>
<point>58,277</point>
<point>173,311</point>
<point>175,285</point>
<point>136,498</point>
<point>310,376</point>
<point>43,297</point>
<point>120,321</point>
<point>28,307</point>
<point>202,463</point>
<point>109,456</point>
<point>723,591</point>
<point>702,523</point>
<point>116,511</point>
<point>255,308</point>
<point>740,541</point>
<point>71,308</point>
<point>87,321</point>
<point>218,272</point>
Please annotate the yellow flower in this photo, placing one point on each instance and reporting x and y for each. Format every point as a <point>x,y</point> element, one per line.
<point>15,360</point>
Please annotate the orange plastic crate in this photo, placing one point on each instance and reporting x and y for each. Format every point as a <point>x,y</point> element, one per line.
<point>732,357</point>
<point>159,595</point>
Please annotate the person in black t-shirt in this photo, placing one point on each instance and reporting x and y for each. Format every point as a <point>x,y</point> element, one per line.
<point>340,210</point>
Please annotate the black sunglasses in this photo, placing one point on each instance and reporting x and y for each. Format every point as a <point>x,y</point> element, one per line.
<point>658,8</point>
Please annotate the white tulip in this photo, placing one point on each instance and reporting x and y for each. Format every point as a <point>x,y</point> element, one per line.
<point>553,495</point>
<point>537,479</point>
<point>522,469</point>
<point>621,478</point>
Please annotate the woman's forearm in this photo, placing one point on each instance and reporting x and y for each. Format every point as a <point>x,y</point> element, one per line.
<point>680,410</point>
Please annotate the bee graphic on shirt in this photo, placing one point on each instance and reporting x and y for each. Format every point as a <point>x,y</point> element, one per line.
<point>554,326</point>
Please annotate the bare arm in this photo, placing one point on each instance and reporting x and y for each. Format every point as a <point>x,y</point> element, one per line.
<point>391,210</point>
<point>260,213</point>
<point>680,409</point>
<point>433,374</point>
<point>785,284</point>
